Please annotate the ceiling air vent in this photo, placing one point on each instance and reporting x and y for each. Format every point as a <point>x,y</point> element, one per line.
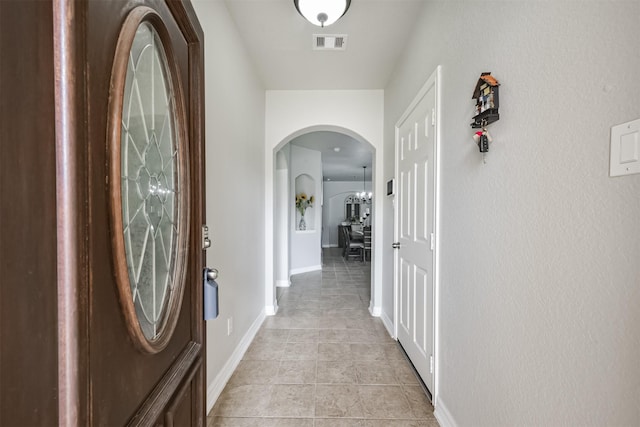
<point>329,41</point>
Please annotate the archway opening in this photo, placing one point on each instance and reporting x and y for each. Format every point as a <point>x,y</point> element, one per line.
<point>336,166</point>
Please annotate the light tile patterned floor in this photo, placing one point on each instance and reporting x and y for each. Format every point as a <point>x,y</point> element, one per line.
<point>323,361</point>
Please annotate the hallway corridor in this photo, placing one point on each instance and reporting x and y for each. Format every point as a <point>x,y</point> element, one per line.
<point>323,361</point>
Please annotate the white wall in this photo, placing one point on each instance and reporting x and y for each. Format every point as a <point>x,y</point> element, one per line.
<point>305,244</point>
<point>357,113</point>
<point>281,229</point>
<point>235,107</point>
<point>540,279</point>
<point>333,211</point>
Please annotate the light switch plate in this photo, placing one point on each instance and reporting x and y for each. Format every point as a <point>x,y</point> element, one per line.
<point>625,149</point>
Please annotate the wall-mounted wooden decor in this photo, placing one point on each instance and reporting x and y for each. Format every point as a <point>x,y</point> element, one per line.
<point>487,99</point>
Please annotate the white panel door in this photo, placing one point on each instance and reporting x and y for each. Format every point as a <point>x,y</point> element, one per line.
<point>415,227</point>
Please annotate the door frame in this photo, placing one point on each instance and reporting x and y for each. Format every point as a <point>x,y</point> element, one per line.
<point>433,80</point>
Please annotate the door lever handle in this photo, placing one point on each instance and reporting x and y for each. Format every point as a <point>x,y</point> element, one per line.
<point>212,274</point>
<point>210,294</point>
<point>396,245</point>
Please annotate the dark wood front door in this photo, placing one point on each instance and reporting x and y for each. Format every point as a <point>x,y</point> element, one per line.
<point>102,187</point>
<point>145,208</point>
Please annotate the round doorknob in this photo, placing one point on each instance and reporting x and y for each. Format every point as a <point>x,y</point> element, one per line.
<point>212,274</point>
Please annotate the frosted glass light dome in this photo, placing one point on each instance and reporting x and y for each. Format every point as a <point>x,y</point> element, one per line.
<point>322,12</point>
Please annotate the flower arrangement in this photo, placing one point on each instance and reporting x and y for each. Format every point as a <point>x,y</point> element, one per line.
<point>302,202</point>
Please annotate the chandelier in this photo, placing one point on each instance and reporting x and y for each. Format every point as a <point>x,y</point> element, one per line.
<point>364,196</point>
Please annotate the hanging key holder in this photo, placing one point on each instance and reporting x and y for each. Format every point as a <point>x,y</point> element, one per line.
<point>483,139</point>
<point>486,94</point>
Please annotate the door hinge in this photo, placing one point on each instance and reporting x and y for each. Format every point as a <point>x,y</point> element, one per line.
<point>433,242</point>
<point>431,364</point>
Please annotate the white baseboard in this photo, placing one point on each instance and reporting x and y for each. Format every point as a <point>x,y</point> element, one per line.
<point>375,311</point>
<point>217,385</point>
<point>388,324</point>
<point>330,245</point>
<point>271,310</point>
<point>442,414</point>
<point>305,270</point>
<point>283,283</point>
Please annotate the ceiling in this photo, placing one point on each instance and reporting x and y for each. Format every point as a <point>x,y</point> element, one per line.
<point>343,165</point>
<point>280,44</point>
<point>279,41</point>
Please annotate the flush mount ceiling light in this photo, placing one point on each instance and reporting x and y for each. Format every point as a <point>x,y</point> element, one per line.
<point>322,12</point>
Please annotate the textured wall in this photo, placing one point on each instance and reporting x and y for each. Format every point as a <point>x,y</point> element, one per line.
<point>235,106</point>
<point>540,272</point>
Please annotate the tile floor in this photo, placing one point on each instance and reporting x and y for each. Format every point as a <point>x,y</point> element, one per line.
<point>323,361</point>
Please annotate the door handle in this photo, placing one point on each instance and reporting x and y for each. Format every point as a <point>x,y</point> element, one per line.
<point>210,306</point>
<point>212,273</point>
<point>396,245</point>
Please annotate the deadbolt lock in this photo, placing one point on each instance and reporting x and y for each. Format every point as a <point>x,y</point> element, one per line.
<point>206,243</point>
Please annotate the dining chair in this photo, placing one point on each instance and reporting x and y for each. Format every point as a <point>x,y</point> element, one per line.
<point>367,242</point>
<point>352,249</point>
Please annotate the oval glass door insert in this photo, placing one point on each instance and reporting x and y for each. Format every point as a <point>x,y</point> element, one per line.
<point>153,189</point>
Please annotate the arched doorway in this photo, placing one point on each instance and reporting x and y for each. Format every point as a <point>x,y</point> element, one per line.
<point>321,171</point>
<point>297,251</point>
